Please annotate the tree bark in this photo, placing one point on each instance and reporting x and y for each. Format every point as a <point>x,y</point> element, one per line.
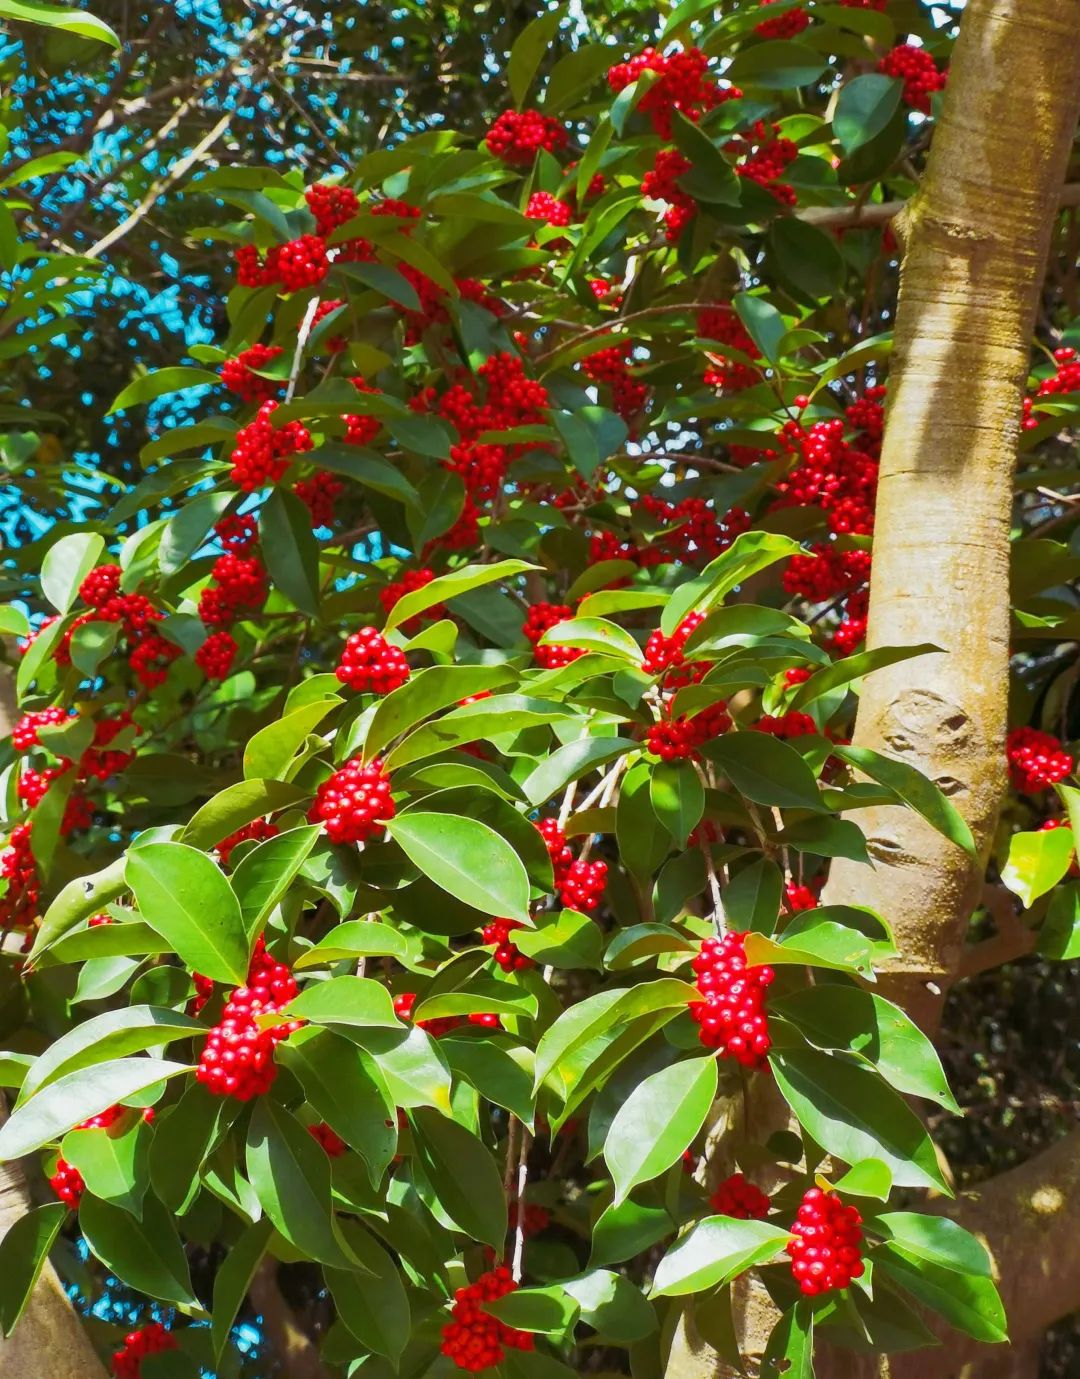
<point>976,236</point>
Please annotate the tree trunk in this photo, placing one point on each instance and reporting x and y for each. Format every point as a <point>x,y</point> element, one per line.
<point>977,234</point>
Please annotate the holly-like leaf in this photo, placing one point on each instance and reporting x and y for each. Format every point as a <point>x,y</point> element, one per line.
<point>23,1252</point>
<point>1037,862</point>
<point>715,1250</point>
<point>658,1122</point>
<point>185,897</point>
<point>467,859</point>
<point>463,1174</point>
<point>67,563</point>
<point>146,1255</point>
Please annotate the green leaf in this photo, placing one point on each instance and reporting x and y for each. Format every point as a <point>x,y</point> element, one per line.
<point>467,859</point>
<point>969,1302</point>
<point>1037,862</point>
<point>582,1022</point>
<point>776,65</point>
<point>492,718</point>
<point>1059,936</point>
<point>715,1250</point>
<point>449,586</point>
<point>146,1255</point>
<point>114,1163</point>
<point>373,1307</point>
<point>549,1311</point>
<point>185,897</point>
<point>367,468</point>
<point>762,320</point>
<point>344,1086</point>
<point>237,805</point>
<point>59,17</point>
<point>23,1252</point>
<point>171,380</point>
<point>624,1231</point>
<point>79,899</point>
<point>270,752</point>
<point>594,634</point>
<point>77,1096</point>
<point>500,1075</point>
<point>643,839</point>
<point>357,938</point>
<point>183,1141</point>
<point>807,257</point>
<point>267,871</point>
<point>766,770</point>
<point>291,1177</point>
<point>853,1114</point>
<point>463,1174</point>
<point>426,693</point>
<point>914,789</point>
<point>234,1278</point>
<point>790,1348</point>
<point>752,898</point>
<point>114,1034</point>
<point>614,1306</point>
<point>573,75</point>
<point>573,761</point>
<point>844,1017</point>
<point>290,550</point>
<point>822,938</point>
<point>67,563</point>
<point>345,1001</point>
<point>528,51</point>
<point>864,108</point>
<point>658,1122</point>
<point>565,940</point>
<point>415,1070</point>
<point>678,798</point>
<point>712,178</point>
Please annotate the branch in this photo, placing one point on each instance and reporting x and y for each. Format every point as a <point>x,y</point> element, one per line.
<point>881,212</point>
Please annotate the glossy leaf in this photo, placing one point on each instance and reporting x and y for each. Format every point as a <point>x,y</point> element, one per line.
<point>464,1175</point>
<point>467,859</point>
<point>185,897</point>
<point>716,1249</point>
<point>658,1121</point>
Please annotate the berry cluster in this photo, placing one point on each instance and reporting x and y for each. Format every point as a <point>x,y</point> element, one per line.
<point>678,739</point>
<point>297,264</point>
<point>661,183</point>
<point>664,654</point>
<point>409,583</point>
<point>476,1340</point>
<point>405,1003</point>
<point>541,618</point>
<point>332,206</point>
<point>330,1140</point>
<point>149,655</point>
<point>238,1058</point>
<point>238,586</point>
<point>258,829</point>
<point>1065,379</point>
<point>355,803</point>
<point>237,532</point>
<point>334,344</point>
<point>799,897</point>
<point>917,70</point>
<point>852,630</point>
<point>549,209</point>
<point>24,735</point>
<point>517,136</point>
<point>1036,760</point>
<point>369,664</point>
<point>838,477</point>
<point>787,25</point>
<point>579,884</point>
<point>741,1199</point>
<point>826,572</point>
<point>684,84</point>
<point>532,1218</point>
<point>693,533</point>
<point>766,154</point>
<point>825,1253</point>
<point>19,903</point>
<point>216,655</point>
<point>722,323</point>
<point>509,957</point>
<point>262,452</point>
<point>609,366</point>
<point>148,1340</point>
<point>732,1014</point>
<point>319,494</point>
<point>238,376</point>
<point>790,724</point>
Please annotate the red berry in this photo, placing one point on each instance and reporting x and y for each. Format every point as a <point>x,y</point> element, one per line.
<point>1036,760</point>
<point>238,376</point>
<point>541,618</point>
<point>238,1057</point>
<point>787,25</point>
<point>330,1140</point>
<point>355,803</point>
<point>370,664</point>
<point>507,955</point>
<point>216,655</point>
<point>732,1014</point>
<point>261,452</point>
<point>67,1182</point>
<point>476,1340</point>
<point>24,735</point>
<point>825,1253</point>
<point>148,1340</point>
<point>918,71</point>
<point>259,829</point>
<point>738,1198</point>
<point>518,135</point>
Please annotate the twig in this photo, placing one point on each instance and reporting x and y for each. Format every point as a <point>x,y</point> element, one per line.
<point>301,341</point>
<point>522,1182</point>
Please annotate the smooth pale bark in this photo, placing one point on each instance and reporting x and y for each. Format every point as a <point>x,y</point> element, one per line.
<point>976,237</point>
